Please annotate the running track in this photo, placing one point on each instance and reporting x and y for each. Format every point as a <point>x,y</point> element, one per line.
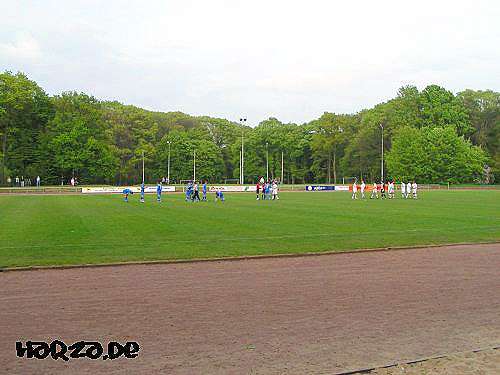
<point>294,315</point>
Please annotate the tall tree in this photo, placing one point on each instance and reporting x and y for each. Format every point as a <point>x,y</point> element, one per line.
<point>25,109</point>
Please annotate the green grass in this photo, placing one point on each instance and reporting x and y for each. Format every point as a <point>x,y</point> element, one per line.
<point>78,229</point>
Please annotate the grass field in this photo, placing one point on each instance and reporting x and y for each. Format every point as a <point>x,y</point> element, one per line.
<point>78,229</point>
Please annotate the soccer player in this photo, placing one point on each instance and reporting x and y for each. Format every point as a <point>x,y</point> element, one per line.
<point>354,190</point>
<point>219,195</point>
<point>403,189</point>
<point>374,193</point>
<point>196,195</point>
<point>414,189</point>
<point>159,189</point>
<point>204,191</point>
<point>275,190</point>
<point>408,189</point>
<point>391,189</point>
<point>363,186</point>
<point>126,192</point>
<point>265,190</point>
<point>382,190</point>
<point>142,192</point>
<point>189,191</point>
<point>257,188</point>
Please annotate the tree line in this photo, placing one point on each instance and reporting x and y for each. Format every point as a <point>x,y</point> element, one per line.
<point>432,136</point>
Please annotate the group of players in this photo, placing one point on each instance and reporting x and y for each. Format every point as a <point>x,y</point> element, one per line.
<point>268,190</point>
<point>193,192</point>
<point>408,190</point>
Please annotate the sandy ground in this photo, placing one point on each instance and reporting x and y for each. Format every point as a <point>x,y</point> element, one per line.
<point>304,315</point>
<point>485,362</point>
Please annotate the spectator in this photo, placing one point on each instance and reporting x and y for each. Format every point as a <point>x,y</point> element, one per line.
<point>37,181</point>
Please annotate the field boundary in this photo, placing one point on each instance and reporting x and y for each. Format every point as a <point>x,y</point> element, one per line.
<point>242,257</point>
<point>413,361</point>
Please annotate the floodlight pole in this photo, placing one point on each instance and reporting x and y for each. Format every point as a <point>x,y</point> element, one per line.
<point>143,167</point>
<point>382,151</point>
<point>281,167</point>
<point>168,163</point>
<point>242,157</point>
<point>267,162</point>
<point>194,166</point>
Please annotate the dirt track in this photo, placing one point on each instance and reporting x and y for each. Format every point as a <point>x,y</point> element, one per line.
<point>318,314</point>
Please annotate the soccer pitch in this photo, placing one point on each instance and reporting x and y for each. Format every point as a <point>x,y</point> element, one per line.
<point>85,229</point>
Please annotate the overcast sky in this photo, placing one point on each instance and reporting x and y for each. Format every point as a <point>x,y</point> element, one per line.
<point>288,59</point>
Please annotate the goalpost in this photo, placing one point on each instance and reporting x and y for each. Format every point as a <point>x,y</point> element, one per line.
<point>231,181</point>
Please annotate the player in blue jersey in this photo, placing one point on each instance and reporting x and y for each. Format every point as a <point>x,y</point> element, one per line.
<point>142,192</point>
<point>189,191</point>
<point>219,195</point>
<point>159,189</point>
<point>125,193</point>
<point>204,191</point>
<point>268,190</point>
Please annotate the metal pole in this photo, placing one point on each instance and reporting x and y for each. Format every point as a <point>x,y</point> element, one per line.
<point>267,162</point>
<point>242,159</point>
<point>143,167</point>
<point>382,160</point>
<point>281,167</point>
<point>168,165</point>
<point>194,165</point>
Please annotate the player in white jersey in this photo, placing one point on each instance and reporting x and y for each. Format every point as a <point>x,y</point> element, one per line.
<point>414,189</point>
<point>274,189</point>
<point>391,189</point>
<point>408,189</point>
<point>363,189</point>
<point>354,190</point>
<point>403,189</point>
<point>374,193</point>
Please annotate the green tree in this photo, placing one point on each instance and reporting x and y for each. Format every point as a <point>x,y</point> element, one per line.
<point>25,109</point>
<point>435,155</point>
<point>78,141</point>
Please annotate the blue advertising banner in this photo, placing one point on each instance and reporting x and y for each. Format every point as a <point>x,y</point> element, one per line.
<point>319,187</point>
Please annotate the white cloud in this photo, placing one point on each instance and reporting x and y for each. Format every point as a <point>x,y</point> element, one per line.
<point>23,47</point>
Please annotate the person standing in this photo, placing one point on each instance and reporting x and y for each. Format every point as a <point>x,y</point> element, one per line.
<point>374,193</point>
<point>196,195</point>
<point>204,191</point>
<point>408,189</point>
<point>159,189</point>
<point>38,181</point>
<point>414,189</point>
<point>363,186</point>
<point>143,188</point>
<point>403,189</point>
<point>17,181</point>
<point>275,190</point>
<point>262,188</point>
<point>354,190</point>
<point>390,188</point>
<point>257,188</point>
<point>382,190</point>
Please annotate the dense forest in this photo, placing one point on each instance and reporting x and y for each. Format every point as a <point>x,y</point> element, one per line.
<point>433,136</point>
